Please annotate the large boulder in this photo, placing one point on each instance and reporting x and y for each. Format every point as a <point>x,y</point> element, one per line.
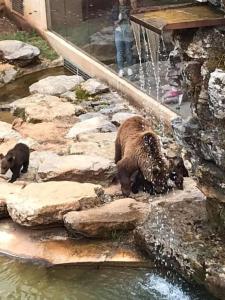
<point>97,124</point>
<point>39,108</point>
<point>56,85</point>
<point>18,51</point>
<point>177,232</point>
<point>82,168</point>
<point>46,203</point>
<point>119,215</point>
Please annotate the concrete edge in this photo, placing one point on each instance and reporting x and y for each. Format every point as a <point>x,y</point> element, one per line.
<point>94,68</point>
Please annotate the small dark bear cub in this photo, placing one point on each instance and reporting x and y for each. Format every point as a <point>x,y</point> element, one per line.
<point>14,160</point>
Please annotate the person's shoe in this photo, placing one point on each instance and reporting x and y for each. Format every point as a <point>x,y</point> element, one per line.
<point>129,72</point>
<point>121,73</point>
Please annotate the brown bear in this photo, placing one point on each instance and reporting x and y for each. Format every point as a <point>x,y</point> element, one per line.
<point>14,160</point>
<point>177,171</point>
<point>137,148</point>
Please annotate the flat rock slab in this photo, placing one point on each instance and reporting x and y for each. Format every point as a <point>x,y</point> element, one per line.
<point>54,247</point>
<point>100,144</point>
<point>7,133</point>
<point>42,108</point>
<point>119,215</point>
<point>50,136</point>
<point>93,87</point>
<point>82,168</point>
<point>177,231</point>
<point>97,124</point>
<point>17,50</point>
<point>56,85</point>
<point>46,203</point>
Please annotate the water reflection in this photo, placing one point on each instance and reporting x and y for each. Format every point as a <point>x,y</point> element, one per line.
<point>25,281</point>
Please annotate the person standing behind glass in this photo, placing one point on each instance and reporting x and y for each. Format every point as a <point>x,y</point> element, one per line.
<point>123,35</point>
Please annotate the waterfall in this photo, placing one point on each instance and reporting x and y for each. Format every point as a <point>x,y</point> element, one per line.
<point>137,36</point>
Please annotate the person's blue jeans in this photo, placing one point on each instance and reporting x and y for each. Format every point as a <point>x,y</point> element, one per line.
<point>123,50</point>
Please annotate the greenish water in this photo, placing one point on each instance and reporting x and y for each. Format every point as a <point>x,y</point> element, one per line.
<point>20,88</point>
<point>27,281</point>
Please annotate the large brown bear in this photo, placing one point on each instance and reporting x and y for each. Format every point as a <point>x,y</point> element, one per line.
<point>137,149</point>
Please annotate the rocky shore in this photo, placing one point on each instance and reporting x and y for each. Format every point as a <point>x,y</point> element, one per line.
<point>69,198</point>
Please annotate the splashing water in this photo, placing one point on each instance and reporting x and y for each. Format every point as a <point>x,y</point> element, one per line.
<point>166,290</point>
<point>154,49</point>
<point>137,36</point>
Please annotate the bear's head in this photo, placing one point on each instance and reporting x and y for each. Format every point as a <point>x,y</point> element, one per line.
<point>177,171</point>
<point>160,178</point>
<point>7,162</point>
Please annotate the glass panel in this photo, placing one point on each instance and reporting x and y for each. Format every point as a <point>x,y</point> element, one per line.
<point>103,30</point>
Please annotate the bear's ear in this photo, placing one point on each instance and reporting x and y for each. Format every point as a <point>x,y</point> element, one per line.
<point>1,156</point>
<point>10,158</point>
<point>178,164</point>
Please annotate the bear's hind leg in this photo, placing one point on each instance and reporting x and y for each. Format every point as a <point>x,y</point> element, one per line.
<point>118,152</point>
<point>124,174</point>
<point>15,175</point>
<point>25,167</point>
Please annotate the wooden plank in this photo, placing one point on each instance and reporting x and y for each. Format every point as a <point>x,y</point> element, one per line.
<point>180,17</point>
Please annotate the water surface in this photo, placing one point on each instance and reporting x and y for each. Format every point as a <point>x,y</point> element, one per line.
<point>19,280</point>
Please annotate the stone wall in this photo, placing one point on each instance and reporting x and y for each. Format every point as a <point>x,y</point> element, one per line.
<point>203,135</point>
<point>218,3</point>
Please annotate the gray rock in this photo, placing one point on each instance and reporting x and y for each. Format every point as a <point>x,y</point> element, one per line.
<point>113,109</point>
<point>90,115</point>
<point>46,203</point>
<point>119,215</point>
<point>217,93</point>
<point>97,124</point>
<point>8,73</point>
<point>93,87</point>
<point>120,117</point>
<point>56,85</point>
<point>17,50</point>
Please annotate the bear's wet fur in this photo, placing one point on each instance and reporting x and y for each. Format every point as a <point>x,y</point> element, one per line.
<point>137,148</point>
<point>15,160</point>
<point>177,172</point>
